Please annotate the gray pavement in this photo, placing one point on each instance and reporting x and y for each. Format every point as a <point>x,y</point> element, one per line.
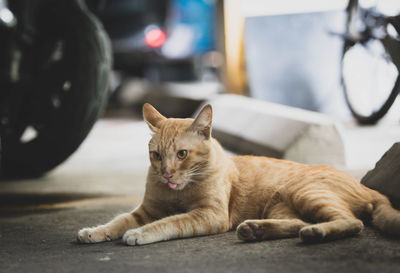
<point>39,218</point>
<point>43,241</point>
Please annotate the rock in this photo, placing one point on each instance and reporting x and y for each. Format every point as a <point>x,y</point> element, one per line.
<point>250,126</point>
<point>385,177</point>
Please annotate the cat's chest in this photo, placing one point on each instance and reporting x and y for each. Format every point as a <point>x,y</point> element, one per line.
<point>180,203</point>
<point>174,202</point>
<point>174,206</point>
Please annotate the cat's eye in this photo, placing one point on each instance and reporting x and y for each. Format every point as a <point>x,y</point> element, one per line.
<point>181,154</point>
<point>156,156</point>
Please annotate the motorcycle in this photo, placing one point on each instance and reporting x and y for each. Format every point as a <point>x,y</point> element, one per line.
<point>55,60</point>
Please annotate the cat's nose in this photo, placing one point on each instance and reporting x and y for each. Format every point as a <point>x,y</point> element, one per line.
<point>167,175</point>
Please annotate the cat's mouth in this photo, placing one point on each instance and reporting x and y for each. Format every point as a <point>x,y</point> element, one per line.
<point>172,184</point>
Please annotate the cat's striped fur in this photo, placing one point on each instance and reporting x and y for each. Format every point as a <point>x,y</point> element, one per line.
<point>193,188</point>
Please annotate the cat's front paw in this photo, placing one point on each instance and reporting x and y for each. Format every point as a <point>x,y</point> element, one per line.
<point>135,237</point>
<point>93,235</point>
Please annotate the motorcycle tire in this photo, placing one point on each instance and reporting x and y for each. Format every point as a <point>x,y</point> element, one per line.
<point>76,87</point>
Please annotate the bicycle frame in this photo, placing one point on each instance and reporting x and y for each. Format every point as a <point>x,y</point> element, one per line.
<point>372,21</point>
<point>392,44</point>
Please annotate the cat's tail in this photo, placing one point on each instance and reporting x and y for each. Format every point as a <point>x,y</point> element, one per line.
<point>384,216</point>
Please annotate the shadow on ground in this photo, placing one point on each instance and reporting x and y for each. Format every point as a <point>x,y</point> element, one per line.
<point>37,199</point>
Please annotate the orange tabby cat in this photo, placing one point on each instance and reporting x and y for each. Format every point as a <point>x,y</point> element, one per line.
<point>194,188</point>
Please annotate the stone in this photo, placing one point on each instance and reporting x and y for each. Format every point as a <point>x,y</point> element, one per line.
<point>250,126</point>
<point>385,177</point>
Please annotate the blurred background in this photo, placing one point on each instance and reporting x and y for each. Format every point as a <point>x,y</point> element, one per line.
<point>160,48</point>
<point>288,53</point>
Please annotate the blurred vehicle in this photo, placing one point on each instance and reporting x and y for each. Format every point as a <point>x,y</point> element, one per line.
<point>158,40</point>
<point>55,61</point>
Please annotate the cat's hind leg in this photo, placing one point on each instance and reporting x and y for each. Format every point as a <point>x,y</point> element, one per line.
<point>338,227</point>
<point>327,204</point>
<point>334,219</point>
<point>283,223</point>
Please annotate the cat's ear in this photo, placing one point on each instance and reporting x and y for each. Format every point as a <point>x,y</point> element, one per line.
<point>202,123</point>
<point>152,117</point>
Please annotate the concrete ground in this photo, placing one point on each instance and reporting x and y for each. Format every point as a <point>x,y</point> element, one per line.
<point>39,218</point>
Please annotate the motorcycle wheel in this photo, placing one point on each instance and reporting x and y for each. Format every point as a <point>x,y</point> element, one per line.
<point>65,95</point>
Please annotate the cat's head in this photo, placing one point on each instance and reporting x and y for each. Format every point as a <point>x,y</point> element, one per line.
<point>179,148</point>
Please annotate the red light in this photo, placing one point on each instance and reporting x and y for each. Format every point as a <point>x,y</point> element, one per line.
<point>155,37</point>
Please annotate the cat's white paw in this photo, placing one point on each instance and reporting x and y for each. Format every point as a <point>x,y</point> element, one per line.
<point>135,237</point>
<point>93,235</point>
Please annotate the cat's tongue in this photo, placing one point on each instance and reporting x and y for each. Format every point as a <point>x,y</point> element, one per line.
<point>172,185</point>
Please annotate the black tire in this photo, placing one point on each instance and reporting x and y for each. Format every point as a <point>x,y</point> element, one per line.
<point>372,114</point>
<point>71,93</point>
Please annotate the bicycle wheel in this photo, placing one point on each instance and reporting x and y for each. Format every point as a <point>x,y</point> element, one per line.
<point>65,94</point>
<point>370,81</point>
<point>369,77</point>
